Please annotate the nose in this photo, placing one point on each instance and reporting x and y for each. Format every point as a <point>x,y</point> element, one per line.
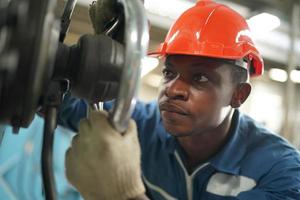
<point>177,89</point>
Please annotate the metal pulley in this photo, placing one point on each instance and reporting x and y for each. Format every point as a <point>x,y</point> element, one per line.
<point>136,41</point>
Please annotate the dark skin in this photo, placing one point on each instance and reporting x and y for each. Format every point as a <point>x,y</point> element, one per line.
<point>196,102</point>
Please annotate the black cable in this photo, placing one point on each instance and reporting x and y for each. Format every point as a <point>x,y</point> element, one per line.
<point>47,167</point>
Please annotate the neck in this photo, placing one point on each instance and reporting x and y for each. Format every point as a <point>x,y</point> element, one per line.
<point>201,147</point>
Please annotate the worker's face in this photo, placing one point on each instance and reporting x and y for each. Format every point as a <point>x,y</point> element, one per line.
<point>195,94</point>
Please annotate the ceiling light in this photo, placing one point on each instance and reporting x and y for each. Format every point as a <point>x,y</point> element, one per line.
<point>278,75</point>
<point>148,64</point>
<point>295,76</point>
<point>263,23</point>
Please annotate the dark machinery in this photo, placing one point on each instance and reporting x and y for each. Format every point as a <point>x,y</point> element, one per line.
<point>36,68</point>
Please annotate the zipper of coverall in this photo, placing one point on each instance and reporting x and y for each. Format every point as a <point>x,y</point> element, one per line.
<point>189,178</point>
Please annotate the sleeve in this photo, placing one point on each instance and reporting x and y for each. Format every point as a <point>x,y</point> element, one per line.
<point>281,182</point>
<point>148,121</point>
<point>71,112</point>
<point>142,113</point>
<point>74,109</point>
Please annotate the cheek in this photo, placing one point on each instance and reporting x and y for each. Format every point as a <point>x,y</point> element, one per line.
<point>204,100</point>
<point>206,107</point>
<point>212,109</point>
<point>212,99</point>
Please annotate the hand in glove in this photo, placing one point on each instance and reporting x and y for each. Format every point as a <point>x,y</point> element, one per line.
<point>107,18</point>
<point>102,12</point>
<point>102,163</point>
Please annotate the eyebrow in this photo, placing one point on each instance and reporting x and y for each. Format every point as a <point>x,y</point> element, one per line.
<point>168,64</point>
<point>200,67</point>
<point>206,69</point>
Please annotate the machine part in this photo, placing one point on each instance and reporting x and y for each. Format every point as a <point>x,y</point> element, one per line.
<point>136,40</point>
<point>66,19</point>
<point>93,67</point>
<point>102,14</point>
<point>25,73</point>
<point>107,17</point>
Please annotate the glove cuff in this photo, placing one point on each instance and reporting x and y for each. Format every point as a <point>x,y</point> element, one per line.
<point>133,185</point>
<point>126,184</point>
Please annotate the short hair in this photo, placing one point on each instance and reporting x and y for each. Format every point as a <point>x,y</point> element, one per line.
<point>238,69</point>
<point>239,74</point>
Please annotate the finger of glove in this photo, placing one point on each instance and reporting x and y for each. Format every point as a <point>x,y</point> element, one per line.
<point>74,169</point>
<point>82,145</point>
<point>83,141</point>
<point>84,127</point>
<point>131,132</point>
<point>92,13</point>
<point>95,135</point>
<point>104,10</point>
<point>74,141</point>
<point>70,161</point>
<point>101,125</point>
<point>131,137</point>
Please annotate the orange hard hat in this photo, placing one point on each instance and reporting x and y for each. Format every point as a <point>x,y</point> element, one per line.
<point>213,30</point>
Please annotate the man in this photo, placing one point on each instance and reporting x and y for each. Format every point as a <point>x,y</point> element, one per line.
<point>195,144</point>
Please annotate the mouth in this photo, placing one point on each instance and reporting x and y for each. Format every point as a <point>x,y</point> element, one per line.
<point>172,108</point>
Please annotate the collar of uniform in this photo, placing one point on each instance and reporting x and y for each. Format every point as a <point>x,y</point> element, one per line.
<point>171,143</point>
<point>228,159</point>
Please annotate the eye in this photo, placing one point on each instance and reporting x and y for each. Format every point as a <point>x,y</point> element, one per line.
<point>200,78</point>
<point>168,74</point>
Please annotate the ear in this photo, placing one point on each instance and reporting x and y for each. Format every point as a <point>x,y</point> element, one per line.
<point>240,94</point>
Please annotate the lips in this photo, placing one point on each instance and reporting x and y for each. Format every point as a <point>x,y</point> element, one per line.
<point>172,108</point>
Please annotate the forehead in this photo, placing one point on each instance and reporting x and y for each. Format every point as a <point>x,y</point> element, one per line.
<point>197,63</point>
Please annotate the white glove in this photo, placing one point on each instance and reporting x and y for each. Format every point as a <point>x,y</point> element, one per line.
<point>103,164</point>
<point>101,12</point>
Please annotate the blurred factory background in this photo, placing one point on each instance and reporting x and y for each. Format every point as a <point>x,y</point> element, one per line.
<point>275,25</point>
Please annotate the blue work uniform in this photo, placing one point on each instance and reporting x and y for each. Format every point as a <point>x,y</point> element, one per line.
<point>20,163</point>
<point>255,164</point>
